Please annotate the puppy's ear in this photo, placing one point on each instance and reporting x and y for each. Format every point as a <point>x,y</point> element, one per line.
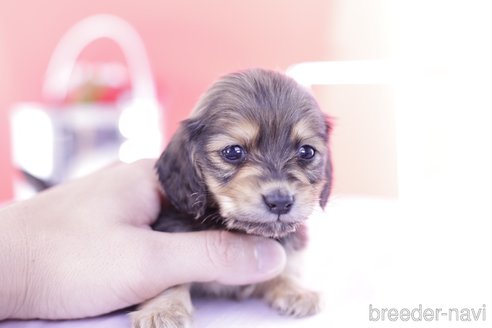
<point>325,192</point>
<point>179,173</point>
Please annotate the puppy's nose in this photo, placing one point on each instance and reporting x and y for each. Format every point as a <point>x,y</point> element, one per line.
<point>278,203</point>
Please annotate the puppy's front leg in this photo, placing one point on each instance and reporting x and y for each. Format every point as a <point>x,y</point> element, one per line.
<point>171,309</point>
<point>285,293</point>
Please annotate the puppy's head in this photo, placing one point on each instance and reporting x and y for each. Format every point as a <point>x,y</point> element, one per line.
<point>255,150</point>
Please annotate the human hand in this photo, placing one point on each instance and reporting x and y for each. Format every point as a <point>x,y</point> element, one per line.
<point>85,248</point>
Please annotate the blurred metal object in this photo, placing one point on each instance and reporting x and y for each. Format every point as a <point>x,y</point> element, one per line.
<point>55,141</point>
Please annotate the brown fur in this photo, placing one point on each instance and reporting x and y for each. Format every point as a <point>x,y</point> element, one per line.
<point>271,117</point>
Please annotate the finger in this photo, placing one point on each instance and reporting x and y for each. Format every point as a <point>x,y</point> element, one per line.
<point>133,189</point>
<point>221,256</point>
<point>145,191</point>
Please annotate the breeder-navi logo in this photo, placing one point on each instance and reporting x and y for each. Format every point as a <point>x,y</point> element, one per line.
<point>428,314</point>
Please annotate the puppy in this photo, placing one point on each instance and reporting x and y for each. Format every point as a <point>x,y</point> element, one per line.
<point>252,158</point>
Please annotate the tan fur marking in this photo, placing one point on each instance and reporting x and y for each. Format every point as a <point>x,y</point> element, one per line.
<point>243,194</point>
<point>303,131</point>
<point>243,134</point>
<point>245,130</point>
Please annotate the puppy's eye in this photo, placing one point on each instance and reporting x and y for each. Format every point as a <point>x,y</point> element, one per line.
<point>234,154</point>
<point>306,152</point>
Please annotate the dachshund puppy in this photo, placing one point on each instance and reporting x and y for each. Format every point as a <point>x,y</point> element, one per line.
<point>252,158</point>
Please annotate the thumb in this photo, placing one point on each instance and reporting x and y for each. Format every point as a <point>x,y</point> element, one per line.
<point>221,256</point>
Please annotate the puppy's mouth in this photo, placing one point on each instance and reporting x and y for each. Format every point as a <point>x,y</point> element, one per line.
<point>274,229</point>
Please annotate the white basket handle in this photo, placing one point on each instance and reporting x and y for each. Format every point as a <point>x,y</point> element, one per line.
<point>140,118</point>
<point>83,33</point>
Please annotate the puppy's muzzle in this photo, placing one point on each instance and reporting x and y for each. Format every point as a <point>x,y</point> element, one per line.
<point>279,202</point>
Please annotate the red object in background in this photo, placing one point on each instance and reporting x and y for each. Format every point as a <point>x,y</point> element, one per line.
<point>190,43</point>
<point>96,93</point>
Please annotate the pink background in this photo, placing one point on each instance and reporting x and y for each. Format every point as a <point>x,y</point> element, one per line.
<point>189,43</point>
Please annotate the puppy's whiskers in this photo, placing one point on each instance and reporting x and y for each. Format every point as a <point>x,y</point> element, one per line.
<point>213,217</point>
<point>198,202</point>
<point>274,229</point>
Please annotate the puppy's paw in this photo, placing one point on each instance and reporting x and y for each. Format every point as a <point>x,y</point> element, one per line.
<point>171,309</point>
<point>175,316</point>
<point>286,296</point>
<point>297,303</point>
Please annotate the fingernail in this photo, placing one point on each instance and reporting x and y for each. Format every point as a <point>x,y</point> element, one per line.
<point>270,257</point>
